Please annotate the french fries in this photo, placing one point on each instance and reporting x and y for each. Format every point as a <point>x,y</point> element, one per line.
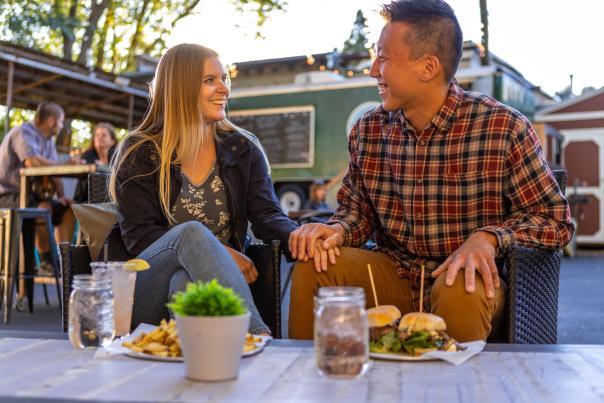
<point>250,343</point>
<point>163,341</point>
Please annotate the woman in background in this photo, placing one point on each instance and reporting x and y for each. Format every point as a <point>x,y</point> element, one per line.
<point>103,145</point>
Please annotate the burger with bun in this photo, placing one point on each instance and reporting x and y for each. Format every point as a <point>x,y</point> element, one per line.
<point>415,333</point>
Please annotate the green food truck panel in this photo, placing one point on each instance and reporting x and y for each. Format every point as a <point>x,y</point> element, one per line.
<point>304,132</point>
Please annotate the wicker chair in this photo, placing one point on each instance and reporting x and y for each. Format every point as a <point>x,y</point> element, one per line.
<point>75,259</point>
<point>533,278</point>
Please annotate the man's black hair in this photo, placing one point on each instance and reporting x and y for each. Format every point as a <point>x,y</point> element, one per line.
<point>434,30</point>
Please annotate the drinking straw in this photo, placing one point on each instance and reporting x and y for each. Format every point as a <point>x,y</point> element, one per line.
<point>372,285</point>
<point>421,291</point>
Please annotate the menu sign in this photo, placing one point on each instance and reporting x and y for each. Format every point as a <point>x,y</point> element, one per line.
<point>287,134</point>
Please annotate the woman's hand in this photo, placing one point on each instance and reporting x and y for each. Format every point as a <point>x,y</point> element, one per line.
<point>323,257</point>
<point>245,265</point>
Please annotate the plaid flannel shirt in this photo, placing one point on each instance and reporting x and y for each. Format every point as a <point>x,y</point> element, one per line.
<point>477,166</point>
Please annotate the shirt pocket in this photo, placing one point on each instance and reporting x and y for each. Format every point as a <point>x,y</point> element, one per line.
<point>470,199</point>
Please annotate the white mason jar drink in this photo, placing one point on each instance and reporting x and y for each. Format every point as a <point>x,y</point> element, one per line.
<point>91,322</point>
<point>341,332</point>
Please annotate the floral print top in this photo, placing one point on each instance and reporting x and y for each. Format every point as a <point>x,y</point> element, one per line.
<point>206,203</point>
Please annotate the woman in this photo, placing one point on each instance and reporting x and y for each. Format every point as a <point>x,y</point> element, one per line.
<point>186,182</point>
<point>101,150</point>
<point>102,145</point>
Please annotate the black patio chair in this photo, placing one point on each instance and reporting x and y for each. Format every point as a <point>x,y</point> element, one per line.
<point>533,278</point>
<point>75,259</point>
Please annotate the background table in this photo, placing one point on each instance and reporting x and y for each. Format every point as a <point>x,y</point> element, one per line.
<point>39,369</point>
<point>72,171</point>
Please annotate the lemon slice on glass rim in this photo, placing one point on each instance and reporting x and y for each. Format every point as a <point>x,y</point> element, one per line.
<point>136,265</point>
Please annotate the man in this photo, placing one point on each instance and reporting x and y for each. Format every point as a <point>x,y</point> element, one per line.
<point>28,145</point>
<point>445,179</point>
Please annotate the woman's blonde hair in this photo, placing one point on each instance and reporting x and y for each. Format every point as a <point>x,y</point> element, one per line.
<point>173,124</point>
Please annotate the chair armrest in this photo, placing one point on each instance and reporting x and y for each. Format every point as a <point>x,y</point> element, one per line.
<point>267,288</point>
<point>532,301</point>
<point>74,260</point>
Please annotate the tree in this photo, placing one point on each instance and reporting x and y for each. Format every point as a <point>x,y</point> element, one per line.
<point>104,34</point>
<point>357,42</point>
<point>17,117</point>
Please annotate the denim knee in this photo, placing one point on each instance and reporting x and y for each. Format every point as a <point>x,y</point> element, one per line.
<point>194,231</point>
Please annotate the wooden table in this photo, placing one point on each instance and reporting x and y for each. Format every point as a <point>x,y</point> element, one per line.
<point>73,171</point>
<point>26,174</point>
<point>33,368</point>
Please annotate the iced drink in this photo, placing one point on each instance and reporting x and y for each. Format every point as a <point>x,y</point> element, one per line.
<point>122,282</point>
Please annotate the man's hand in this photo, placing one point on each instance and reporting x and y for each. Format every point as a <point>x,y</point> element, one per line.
<point>476,253</point>
<point>245,265</point>
<point>303,241</point>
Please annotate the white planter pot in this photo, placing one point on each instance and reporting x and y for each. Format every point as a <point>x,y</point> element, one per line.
<point>212,345</point>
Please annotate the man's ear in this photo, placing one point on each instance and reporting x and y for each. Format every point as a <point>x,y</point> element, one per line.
<point>430,68</point>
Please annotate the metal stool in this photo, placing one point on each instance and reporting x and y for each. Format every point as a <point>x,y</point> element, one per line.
<point>17,222</point>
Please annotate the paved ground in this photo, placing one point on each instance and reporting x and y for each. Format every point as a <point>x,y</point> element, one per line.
<point>581,303</point>
<point>581,309</point>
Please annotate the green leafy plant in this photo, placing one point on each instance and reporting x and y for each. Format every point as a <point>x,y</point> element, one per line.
<point>207,299</point>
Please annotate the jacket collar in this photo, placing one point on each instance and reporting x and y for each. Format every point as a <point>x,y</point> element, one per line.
<point>230,146</point>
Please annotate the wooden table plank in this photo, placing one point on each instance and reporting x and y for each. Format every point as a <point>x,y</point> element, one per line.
<point>286,371</point>
<point>58,170</point>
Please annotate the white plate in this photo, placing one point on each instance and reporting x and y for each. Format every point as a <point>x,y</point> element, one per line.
<point>401,357</point>
<point>456,358</point>
<point>145,356</point>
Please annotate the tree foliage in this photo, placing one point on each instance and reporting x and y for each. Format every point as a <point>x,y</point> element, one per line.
<point>357,42</point>
<point>104,34</point>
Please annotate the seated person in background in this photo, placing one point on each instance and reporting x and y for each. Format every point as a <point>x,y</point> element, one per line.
<point>186,182</point>
<point>317,192</point>
<point>29,145</point>
<point>102,147</point>
<point>446,179</point>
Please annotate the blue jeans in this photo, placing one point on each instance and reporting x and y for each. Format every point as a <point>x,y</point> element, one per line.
<point>188,252</point>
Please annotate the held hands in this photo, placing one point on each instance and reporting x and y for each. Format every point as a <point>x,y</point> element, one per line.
<point>317,241</point>
<point>245,265</point>
<point>477,253</point>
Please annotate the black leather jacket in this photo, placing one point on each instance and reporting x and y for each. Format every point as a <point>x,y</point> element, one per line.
<point>250,193</point>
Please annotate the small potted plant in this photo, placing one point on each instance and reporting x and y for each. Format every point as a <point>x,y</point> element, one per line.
<point>212,323</point>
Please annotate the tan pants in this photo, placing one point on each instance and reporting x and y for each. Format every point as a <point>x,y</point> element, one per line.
<point>468,316</point>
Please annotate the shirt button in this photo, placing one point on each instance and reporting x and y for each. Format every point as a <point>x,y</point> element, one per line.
<point>422,142</point>
<point>418,215</point>
<point>234,148</point>
<point>419,181</point>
